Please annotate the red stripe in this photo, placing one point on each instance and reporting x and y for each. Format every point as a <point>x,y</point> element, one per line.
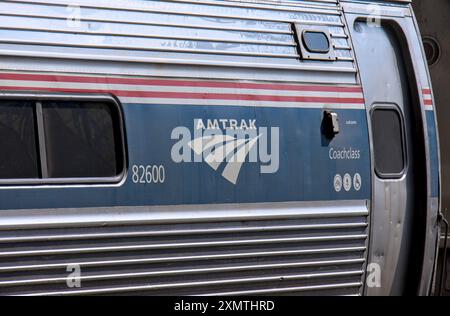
<point>428,102</point>
<point>204,96</point>
<point>426,91</point>
<point>180,83</point>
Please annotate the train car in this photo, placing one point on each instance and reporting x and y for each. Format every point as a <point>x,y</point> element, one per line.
<point>216,147</point>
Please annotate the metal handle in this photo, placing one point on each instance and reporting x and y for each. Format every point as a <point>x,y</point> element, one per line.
<point>330,124</point>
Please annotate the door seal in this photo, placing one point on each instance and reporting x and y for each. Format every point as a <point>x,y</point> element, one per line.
<point>443,279</point>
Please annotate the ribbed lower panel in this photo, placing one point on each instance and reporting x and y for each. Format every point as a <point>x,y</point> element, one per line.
<point>305,256</point>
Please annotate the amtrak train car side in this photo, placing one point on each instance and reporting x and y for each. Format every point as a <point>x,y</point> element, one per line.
<point>216,147</point>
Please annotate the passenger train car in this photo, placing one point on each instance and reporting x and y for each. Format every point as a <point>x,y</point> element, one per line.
<point>216,147</point>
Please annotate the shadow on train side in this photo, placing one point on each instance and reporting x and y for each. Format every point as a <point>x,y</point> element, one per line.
<point>434,21</point>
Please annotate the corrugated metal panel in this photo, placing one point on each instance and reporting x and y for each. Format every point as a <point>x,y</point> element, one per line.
<point>205,33</point>
<point>320,251</point>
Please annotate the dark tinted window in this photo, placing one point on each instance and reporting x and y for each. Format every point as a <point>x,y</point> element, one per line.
<point>82,139</point>
<point>316,42</point>
<point>18,156</point>
<point>388,142</point>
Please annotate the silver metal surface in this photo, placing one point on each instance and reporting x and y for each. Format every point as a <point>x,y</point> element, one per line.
<point>213,35</point>
<point>309,248</point>
<point>393,201</point>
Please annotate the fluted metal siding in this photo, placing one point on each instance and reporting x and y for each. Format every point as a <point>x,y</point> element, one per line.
<point>308,254</point>
<point>199,33</point>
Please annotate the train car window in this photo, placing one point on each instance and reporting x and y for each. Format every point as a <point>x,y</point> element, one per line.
<point>82,139</point>
<point>388,139</point>
<point>18,141</point>
<point>316,42</point>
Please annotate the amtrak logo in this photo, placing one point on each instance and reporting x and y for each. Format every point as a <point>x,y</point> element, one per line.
<point>225,145</point>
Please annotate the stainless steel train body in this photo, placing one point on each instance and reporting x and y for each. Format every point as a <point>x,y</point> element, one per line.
<point>210,147</point>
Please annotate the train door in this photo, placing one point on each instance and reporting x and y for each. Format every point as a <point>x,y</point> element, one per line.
<point>398,160</point>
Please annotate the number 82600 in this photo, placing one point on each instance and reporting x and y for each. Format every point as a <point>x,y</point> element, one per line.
<point>148,174</point>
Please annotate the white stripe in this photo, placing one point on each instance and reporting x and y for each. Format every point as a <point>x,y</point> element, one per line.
<point>277,104</point>
<point>428,97</point>
<point>182,89</point>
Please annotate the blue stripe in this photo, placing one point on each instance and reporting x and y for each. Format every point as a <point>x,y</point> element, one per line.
<point>434,154</point>
<point>305,173</point>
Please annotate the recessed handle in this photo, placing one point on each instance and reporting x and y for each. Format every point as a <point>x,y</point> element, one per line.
<point>330,124</point>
